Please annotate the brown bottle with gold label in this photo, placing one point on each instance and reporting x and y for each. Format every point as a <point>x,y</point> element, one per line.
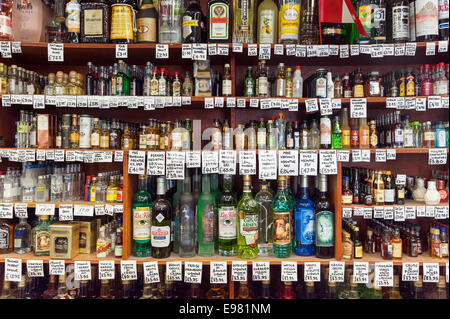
<point>147,23</point>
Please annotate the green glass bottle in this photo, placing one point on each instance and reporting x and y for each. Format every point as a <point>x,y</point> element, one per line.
<point>249,83</point>
<point>121,80</point>
<point>227,208</point>
<point>215,187</point>
<point>141,215</point>
<point>282,221</point>
<point>207,219</point>
<point>324,221</point>
<point>336,134</point>
<point>41,237</point>
<point>291,199</point>
<point>176,216</point>
<point>247,222</point>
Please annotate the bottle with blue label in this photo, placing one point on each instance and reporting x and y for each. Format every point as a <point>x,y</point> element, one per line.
<point>304,220</point>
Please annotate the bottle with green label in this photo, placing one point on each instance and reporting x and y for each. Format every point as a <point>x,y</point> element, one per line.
<point>141,217</point>
<point>207,219</point>
<point>324,222</point>
<point>336,134</point>
<point>227,209</point>
<point>161,222</point>
<point>247,222</point>
<point>282,222</point>
<point>365,16</point>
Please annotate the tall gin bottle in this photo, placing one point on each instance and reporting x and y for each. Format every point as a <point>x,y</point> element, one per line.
<point>227,219</point>
<point>141,215</point>
<point>282,223</point>
<point>161,222</point>
<point>247,222</point>
<point>206,219</point>
<point>244,21</point>
<point>304,220</point>
<point>264,199</point>
<point>324,222</point>
<point>186,210</point>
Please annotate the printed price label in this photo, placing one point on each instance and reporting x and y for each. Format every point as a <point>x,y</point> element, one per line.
<point>247,162</point>
<point>65,212</point>
<point>35,268</point>
<point>437,156</point>
<point>308,163</point>
<point>106,269</point>
<point>218,272</point>
<point>128,270</point>
<point>55,52</point>
<point>311,105</point>
<point>267,160</point>
<point>151,272</point>
<point>384,274</point>
<point>156,163</point>
<point>343,156</point>
<point>13,269</point>
<point>289,271</point>
<point>328,162</point>
<point>136,162</point>
<point>162,51</point>
<point>82,270</point>
<point>410,271</point>
<point>430,272</point>
<point>193,159</point>
<point>227,162</point>
<point>288,163</point>
<point>45,209</point>
<point>442,46</point>
<point>431,48</point>
<point>175,165</point>
<point>56,267</point>
<point>360,272</point>
<point>173,271</point>
<point>121,51</point>
<point>346,212</point>
<point>239,270</point>
<point>358,108</point>
<point>252,50</point>
<point>83,210</point>
<point>380,155</point>
<point>260,270</point>
<point>210,162</point>
<point>312,271</point>
<point>336,271</point>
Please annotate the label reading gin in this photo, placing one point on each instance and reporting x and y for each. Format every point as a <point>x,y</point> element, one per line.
<point>93,22</point>
<point>289,21</point>
<point>324,229</point>
<point>267,26</point>
<point>282,228</point>
<point>218,21</point>
<point>227,222</point>
<point>248,228</point>
<point>141,223</point>
<point>160,236</point>
<point>208,224</point>
<point>306,230</point>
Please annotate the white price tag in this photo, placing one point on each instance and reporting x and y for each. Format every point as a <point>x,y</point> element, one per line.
<point>400,179</point>
<point>212,49</point>
<point>193,159</point>
<point>239,270</point>
<point>209,102</point>
<point>431,48</point>
<point>308,163</point>
<point>300,51</point>
<point>186,51</point>
<point>399,213</point>
<point>45,209</point>
<point>328,162</point>
<point>278,49</point>
<point>293,105</point>
<point>218,101</point>
<point>391,154</point>
<point>70,156</point>
<point>59,156</point>
<point>442,45</point>
<point>6,100</point>
<point>241,103</point>
<point>151,272</point>
<point>346,212</point>
<point>358,108</point>
<point>106,269</point>
<point>311,105</point>
<point>56,267</point>
<point>343,156</point>
<point>252,50</point>
<point>83,210</point>
<point>311,51</point>
<point>38,101</point>
<point>13,269</point>
<point>16,46</point>
<point>121,51</point>
<point>323,51</point>
<point>421,211</point>
<point>237,47</point>
<point>82,270</point>
<point>399,49</point>
<point>441,212</point>
<point>128,270</point>
<point>288,163</point>
<point>247,162</point>
<point>136,162</point>
<point>388,212</point>
<point>35,268</point>
<point>267,160</point>
<point>65,212</point>
<point>5,49</point>
<point>260,270</point>
<point>227,162</point>
<point>21,210</point>
<point>384,274</point>
<point>354,49</point>
<point>388,49</point>
<point>175,165</point>
<point>325,107</point>
<point>367,212</point>
<point>411,48</point>
<point>334,49</point>
<point>410,212</point>
<point>118,156</point>
<point>312,271</point>
<point>365,49</point>
<point>336,104</point>
<point>193,272</point>
<point>254,103</point>
<point>410,271</point>
<point>210,162</point>
<point>162,51</point>
<point>434,102</point>
<point>376,51</point>
<point>289,271</point>
<point>378,212</point>
<point>360,272</point>
<point>264,51</point>
<point>223,49</point>
<point>421,104</point>
<point>437,156</point>
<point>391,103</point>
<point>430,272</point>
<point>99,210</point>
<point>429,211</point>
<point>336,271</point>
<point>358,211</point>
<point>344,51</point>
<point>55,52</point>
<point>380,155</point>
<point>445,102</point>
<point>365,155</point>
<point>218,272</point>
<point>231,102</point>
<point>173,271</point>
<point>290,49</point>
<point>156,163</point>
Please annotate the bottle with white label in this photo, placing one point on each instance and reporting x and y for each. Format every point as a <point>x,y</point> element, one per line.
<point>227,211</point>
<point>330,85</point>
<point>226,81</point>
<point>400,21</point>
<point>267,22</point>
<point>161,222</point>
<point>325,132</point>
<point>297,82</point>
<point>427,23</point>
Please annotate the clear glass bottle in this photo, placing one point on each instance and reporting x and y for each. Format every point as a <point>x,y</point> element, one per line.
<point>264,200</point>
<point>170,21</point>
<point>244,18</point>
<point>22,237</point>
<point>206,219</point>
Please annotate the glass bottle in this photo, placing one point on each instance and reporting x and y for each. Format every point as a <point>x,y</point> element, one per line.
<point>432,196</point>
<point>6,237</point>
<point>141,217</point>
<point>207,219</point>
<point>52,289</point>
<point>22,237</point>
<point>427,24</point>
<point>218,26</point>
<point>282,224</point>
<point>186,210</point>
<point>226,80</point>
<point>55,28</point>
<point>247,222</point>
<point>304,220</point>
<point>41,236</point>
<point>193,27</point>
<point>378,32</point>
<point>267,22</point>
<point>286,290</point>
<point>161,222</point>
<point>95,17</point>
<point>347,194</point>
<point>358,84</point>
<point>336,135</point>
<point>216,291</point>
<point>325,132</point>
<point>227,219</point>
<point>74,132</point>
<point>400,21</point>
<point>62,289</point>
<point>122,21</point>
<point>146,20</point>
<point>105,290</point>
<point>324,222</point>
<point>364,133</point>
<point>243,292</point>
<point>249,83</point>
<point>170,21</point>
<point>73,10</point>
<point>315,133</point>
<point>244,18</point>
<point>347,246</point>
<point>365,16</point>
<point>264,200</point>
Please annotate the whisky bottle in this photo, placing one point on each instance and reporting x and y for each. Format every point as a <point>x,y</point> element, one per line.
<point>247,222</point>
<point>122,19</point>
<point>218,26</point>
<point>41,237</point>
<point>141,215</point>
<point>94,20</point>
<point>186,209</point>
<point>207,219</point>
<point>6,237</point>
<point>62,289</point>
<point>147,23</point>
<point>324,222</point>
<point>227,210</point>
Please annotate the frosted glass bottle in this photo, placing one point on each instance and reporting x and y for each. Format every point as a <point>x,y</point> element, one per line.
<point>432,196</point>
<point>28,185</point>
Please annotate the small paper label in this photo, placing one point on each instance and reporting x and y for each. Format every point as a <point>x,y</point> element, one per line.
<point>82,270</point>
<point>193,159</point>
<point>162,51</point>
<point>218,272</point>
<point>227,162</point>
<point>312,271</point>
<point>260,270</point>
<point>156,163</point>
<point>437,156</point>
<point>410,271</point>
<point>328,162</point>
<point>288,163</point>
<point>175,165</point>
<point>289,271</point>
<point>128,270</point>
<point>173,271</point>
<point>136,162</point>
<point>360,272</point>
<point>430,272</point>
<point>384,274</point>
<point>35,268</point>
<point>267,160</point>
<point>13,269</point>
<point>308,163</point>
<point>151,272</point>
<point>106,269</point>
<point>210,162</point>
<point>239,270</point>
<point>56,267</point>
<point>55,52</point>
<point>247,162</point>
<point>336,271</point>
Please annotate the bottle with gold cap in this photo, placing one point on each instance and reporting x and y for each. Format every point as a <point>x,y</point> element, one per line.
<point>247,222</point>
<point>105,290</point>
<point>3,79</point>
<point>72,88</point>
<point>353,294</point>
<point>49,88</point>
<point>62,289</point>
<point>59,88</point>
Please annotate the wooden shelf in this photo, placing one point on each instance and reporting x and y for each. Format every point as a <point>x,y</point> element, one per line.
<point>408,202</point>
<point>80,257</point>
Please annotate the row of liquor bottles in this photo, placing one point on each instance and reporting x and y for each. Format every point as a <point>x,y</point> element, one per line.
<point>246,21</point>
<point>379,187</point>
<point>84,131</point>
<point>392,240</point>
<point>123,80</point>
<point>46,236</point>
<point>62,287</point>
<point>203,220</point>
<point>50,182</point>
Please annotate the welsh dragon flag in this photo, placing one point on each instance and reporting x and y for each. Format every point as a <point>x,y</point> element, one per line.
<point>340,11</point>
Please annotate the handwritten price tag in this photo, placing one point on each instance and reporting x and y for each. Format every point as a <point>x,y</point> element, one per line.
<point>106,269</point>
<point>289,271</point>
<point>121,51</point>
<point>267,164</point>
<point>384,274</point>
<point>218,272</point>
<point>336,271</point>
<point>45,209</point>
<point>260,270</point>
<point>151,272</point>
<point>173,271</point>
<point>35,268</point>
<point>13,269</point>
<point>288,163</point>
<point>57,267</point>
<point>247,163</point>
<point>55,52</point>
<point>410,271</point>
<point>239,270</point>
<point>312,271</point>
<point>430,272</point>
<point>82,270</point>
<point>360,272</point>
<point>308,163</point>
<point>128,270</point>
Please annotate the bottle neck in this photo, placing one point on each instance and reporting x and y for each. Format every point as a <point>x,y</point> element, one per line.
<point>206,184</point>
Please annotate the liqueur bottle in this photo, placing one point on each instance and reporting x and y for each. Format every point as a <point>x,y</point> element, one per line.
<point>94,20</point>
<point>161,222</point>
<point>216,291</point>
<point>218,25</point>
<point>55,29</point>
<point>193,26</point>
<point>288,21</point>
<point>51,290</point>
<point>206,219</point>
<point>170,21</point>
<point>247,222</point>
<point>147,23</point>
<point>141,216</point>
<point>73,10</point>
<point>400,21</point>
<point>244,21</point>
<point>324,222</point>
<point>105,290</point>
<point>227,210</point>
<point>304,220</point>
<point>6,236</point>
<point>267,22</point>
<point>365,16</point>
<point>264,200</point>
<point>41,237</point>
<point>176,215</point>
<point>243,292</point>
<point>122,21</point>
<point>62,289</point>
<point>379,21</point>
<point>186,217</point>
<point>6,32</point>
<point>282,223</point>
<point>427,23</point>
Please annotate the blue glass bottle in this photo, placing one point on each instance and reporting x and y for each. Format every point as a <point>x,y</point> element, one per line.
<point>304,220</point>
<point>440,139</point>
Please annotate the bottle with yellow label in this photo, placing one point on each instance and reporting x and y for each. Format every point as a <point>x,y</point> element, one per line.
<point>345,128</point>
<point>365,16</point>
<point>267,22</point>
<point>357,244</point>
<point>397,251</point>
<point>379,189</point>
<point>122,21</point>
<point>289,21</point>
<point>358,86</point>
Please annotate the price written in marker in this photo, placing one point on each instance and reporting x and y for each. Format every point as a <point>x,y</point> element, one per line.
<point>289,271</point>
<point>57,267</point>
<point>106,269</point>
<point>384,274</point>
<point>82,270</point>
<point>218,272</point>
<point>260,270</point>
<point>312,271</point>
<point>360,272</point>
<point>128,270</point>
<point>288,163</point>
<point>55,52</point>
<point>267,160</point>
<point>239,270</point>
<point>227,162</point>
<point>430,272</point>
<point>151,273</point>
<point>328,162</point>
<point>13,269</point>
<point>247,163</point>
<point>173,271</point>
<point>35,268</point>
<point>410,271</point>
<point>308,163</point>
<point>336,271</point>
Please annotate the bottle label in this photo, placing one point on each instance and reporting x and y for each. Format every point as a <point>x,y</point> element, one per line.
<point>93,22</point>
<point>121,22</point>
<point>306,230</point>
<point>373,140</point>
<point>379,196</point>
<point>324,229</point>
<point>146,29</point>
<point>408,139</point>
<point>4,238</point>
<point>208,224</point>
<point>347,199</point>
<point>325,131</point>
<point>358,90</point>
<point>42,241</point>
<point>379,14</point>
<point>162,86</point>
<point>177,139</point>
<point>346,137</point>
<point>141,223</point>
<point>282,228</point>
<point>143,141</point>
<point>267,26</point>
<point>444,250</point>
<point>227,222</point>
<point>364,139</point>
<point>358,252</point>
<point>187,25</point>
<point>412,21</point>
<point>263,86</point>
<point>389,195</point>
<point>347,250</point>
<point>441,138</point>
<point>401,193</point>
<point>218,21</point>
<point>110,195</point>
<point>365,16</point>
<point>321,87</point>
<point>248,228</point>
<point>104,142</point>
<point>396,250</point>
<point>160,236</point>
<point>73,10</point>
<point>289,18</point>
<point>400,22</point>
<point>102,249</point>
<point>427,17</point>
<point>428,136</point>
<point>398,135</point>
<point>5,26</point>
